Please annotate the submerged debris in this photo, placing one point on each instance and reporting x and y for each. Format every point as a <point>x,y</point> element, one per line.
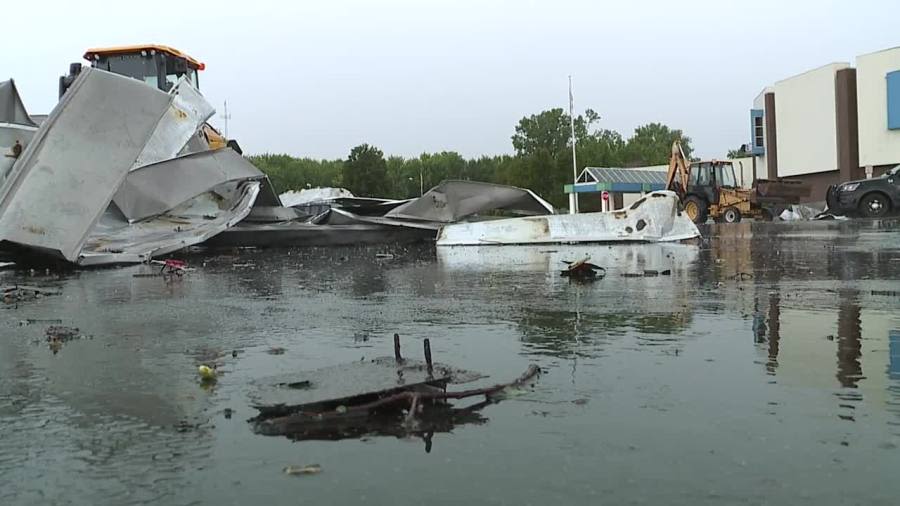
<point>387,396</point>
<point>34,321</point>
<point>303,470</point>
<point>58,335</point>
<point>22,293</point>
<point>647,273</point>
<point>172,266</point>
<point>61,333</point>
<point>582,269</point>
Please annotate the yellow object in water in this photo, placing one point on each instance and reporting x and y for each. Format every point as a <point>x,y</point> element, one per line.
<point>207,373</point>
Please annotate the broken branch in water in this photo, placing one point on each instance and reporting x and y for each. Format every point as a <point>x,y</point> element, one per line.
<point>490,393</point>
<point>413,400</point>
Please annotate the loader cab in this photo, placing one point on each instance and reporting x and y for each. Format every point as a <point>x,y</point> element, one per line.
<point>159,66</point>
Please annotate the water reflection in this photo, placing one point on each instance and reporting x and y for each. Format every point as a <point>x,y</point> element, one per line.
<point>774,331</point>
<point>849,340</point>
<point>894,350</point>
<point>438,419</point>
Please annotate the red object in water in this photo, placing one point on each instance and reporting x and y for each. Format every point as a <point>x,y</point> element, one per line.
<point>176,264</point>
<point>172,266</point>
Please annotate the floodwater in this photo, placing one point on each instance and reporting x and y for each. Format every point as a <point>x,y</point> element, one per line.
<point>759,372</point>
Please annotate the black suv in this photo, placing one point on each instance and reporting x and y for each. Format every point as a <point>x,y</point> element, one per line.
<point>872,198</point>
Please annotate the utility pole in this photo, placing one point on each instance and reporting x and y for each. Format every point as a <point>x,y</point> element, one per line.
<point>573,197</point>
<point>225,116</point>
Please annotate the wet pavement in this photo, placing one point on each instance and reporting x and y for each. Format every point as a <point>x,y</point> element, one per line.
<point>759,372</point>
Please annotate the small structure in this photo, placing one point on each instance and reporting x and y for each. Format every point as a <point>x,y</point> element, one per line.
<point>619,183</point>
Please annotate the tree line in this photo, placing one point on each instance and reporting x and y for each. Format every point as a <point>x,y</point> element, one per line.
<point>542,161</point>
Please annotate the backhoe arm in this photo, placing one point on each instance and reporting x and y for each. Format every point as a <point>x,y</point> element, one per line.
<point>678,168</point>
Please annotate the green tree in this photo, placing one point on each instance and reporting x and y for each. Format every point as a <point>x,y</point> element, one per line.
<point>289,173</point>
<point>740,152</point>
<point>651,144</point>
<point>365,172</point>
<point>550,131</point>
<point>543,144</point>
<point>442,166</point>
<point>603,148</point>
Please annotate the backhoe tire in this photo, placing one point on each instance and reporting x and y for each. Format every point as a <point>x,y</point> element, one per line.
<point>731,215</point>
<point>696,209</point>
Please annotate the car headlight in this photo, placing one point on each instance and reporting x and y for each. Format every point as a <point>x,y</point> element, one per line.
<point>849,187</point>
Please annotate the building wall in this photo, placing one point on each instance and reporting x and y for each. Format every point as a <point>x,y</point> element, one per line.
<point>805,106</point>
<point>877,144</point>
<point>746,178</point>
<point>759,103</point>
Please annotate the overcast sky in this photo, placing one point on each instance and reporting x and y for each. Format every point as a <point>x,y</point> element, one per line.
<point>315,78</point>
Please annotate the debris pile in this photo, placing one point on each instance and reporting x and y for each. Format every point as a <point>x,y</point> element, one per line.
<point>333,217</point>
<point>119,173</point>
<point>122,172</point>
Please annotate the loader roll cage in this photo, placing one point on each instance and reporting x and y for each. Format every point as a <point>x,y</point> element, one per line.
<point>158,66</point>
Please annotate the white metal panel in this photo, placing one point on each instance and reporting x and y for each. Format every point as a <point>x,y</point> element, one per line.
<point>877,144</point>
<point>185,115</point>
<point>76,161</point>
<point>154,189</point>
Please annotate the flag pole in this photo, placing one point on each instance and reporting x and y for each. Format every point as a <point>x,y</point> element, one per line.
<point>573,197</point>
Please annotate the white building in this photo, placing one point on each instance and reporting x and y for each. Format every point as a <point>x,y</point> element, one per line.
<point>830,124</point>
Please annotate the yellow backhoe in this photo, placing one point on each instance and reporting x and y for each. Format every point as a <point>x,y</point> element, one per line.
<point>710,189</point>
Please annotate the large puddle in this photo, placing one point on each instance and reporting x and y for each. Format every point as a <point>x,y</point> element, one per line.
<point>761,370</point>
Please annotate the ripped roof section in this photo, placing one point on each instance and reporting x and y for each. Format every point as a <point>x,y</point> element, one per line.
<point>12,110</point>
